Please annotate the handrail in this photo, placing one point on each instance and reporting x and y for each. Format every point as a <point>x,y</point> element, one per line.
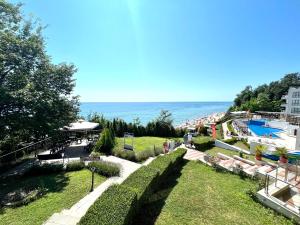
<point>21,149</point>
<point>286,182</point>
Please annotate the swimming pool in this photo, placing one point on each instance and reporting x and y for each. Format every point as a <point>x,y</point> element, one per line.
<point>258,127</point>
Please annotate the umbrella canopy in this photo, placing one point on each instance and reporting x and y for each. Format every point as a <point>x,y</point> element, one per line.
<point>81,125</point>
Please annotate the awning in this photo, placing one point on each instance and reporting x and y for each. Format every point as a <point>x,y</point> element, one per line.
<point>81,125</point>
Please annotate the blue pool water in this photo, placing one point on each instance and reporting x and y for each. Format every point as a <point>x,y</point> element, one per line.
<point>258,127</point>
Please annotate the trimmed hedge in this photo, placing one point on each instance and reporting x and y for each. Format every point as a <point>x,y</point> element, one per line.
<point>142,182</point>
<point>119,203</point>
<point>230,141</point>
<point>143,155</point>
<point>105,168</point>
<point>204,143</point>
<point>75,166</point>
<point>164,164</point>
<point>116,206</point>
<point>44,169</point>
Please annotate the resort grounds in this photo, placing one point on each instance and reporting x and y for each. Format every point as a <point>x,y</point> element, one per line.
<point>193,193</point>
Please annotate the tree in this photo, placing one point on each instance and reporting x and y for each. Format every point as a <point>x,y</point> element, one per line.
<point>35,95</point>
<point>106,142</point>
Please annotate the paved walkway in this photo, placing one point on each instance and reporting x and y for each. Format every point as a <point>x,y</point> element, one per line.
<point>73,215</point>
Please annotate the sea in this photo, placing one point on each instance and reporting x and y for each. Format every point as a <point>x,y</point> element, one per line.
<point>147,111</point>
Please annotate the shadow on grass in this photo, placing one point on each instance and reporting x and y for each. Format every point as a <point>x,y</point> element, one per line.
<point>48,183</point>
<point>148,213</point>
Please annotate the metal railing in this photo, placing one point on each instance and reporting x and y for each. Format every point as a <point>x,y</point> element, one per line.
<point>273,180</point>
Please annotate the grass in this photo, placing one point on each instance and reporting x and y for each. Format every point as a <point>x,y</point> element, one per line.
<point>214,150</point>
<point>199,195</point>
<point>241,145</point>
<point>141,143</point>
<point>63,190</point>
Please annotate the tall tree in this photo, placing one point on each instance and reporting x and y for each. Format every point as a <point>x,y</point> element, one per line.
<point>35,95</point>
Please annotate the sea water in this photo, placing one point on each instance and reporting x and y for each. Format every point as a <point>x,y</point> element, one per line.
<point>147,111</point>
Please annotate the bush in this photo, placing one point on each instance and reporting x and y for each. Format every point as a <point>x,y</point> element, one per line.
<point>44,169</point>
<point>230,141</point>
<point>177,156</point>
<point>105,168</point>
<point>158,151</point>
<point>142,182</point>
<point>204,143</point>
<point>106,142</point>
<point>75,166</point>
<point>115,206</point>
<point>125,154</point>
<point>202,130</point>
<point>162,164</point>
<point>95,155</point>
<point>143,155</point>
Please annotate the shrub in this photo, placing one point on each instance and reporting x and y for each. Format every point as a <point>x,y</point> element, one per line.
<point>162,164</point>
<point>95,155</point>
<point>115,206</point>
<point>177,156</point>
<point>44,169</point>
<point>106,142</point>
<point>75,166</point>
<point>105,168</point>
<point>125,154</point>
<point>230,141</point>
<point>142,182</point>
<point>202,130</point>
<point>158,151</point>
<point>143,155</point>
<point>204,143</point>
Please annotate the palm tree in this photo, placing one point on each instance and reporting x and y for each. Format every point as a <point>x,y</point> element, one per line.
<point>282,152</point>
<point>259,149</point>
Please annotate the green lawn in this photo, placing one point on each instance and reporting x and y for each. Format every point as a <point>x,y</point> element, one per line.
<point>63,190</point>
<point>200,195</point>
<point>141,143</point>
<point>241,145</point>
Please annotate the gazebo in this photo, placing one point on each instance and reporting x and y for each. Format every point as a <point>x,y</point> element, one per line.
<point>81,127</point>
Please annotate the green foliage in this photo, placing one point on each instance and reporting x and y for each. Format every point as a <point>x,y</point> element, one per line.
<point>203,143</point>
<point>231,141</point>
<point>106,141</point>
<point>265,97</point>
<point>202,130</point>
<point>142,182</point>
<point>282,151</point>
<point>116,206</point>
<point>75,166</point>
<point>44,169</point>
<point>259,149</point>
<point>143,155</point>
<point>159,127</point>
<point>124,154</point>
<point>35,94</point>
<point>104,168</point>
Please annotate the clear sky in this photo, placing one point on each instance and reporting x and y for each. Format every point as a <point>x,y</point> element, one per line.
<point>171,50</point>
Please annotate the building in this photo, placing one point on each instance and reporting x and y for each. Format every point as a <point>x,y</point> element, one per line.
<point>292,101</point>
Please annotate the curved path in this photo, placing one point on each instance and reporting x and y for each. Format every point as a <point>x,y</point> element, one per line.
<point>73,215</point>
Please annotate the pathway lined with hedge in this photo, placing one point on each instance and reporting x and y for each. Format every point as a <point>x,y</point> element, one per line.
<point>73,215</point>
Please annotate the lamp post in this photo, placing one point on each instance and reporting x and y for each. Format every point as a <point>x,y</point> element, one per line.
<point>63,156</point>
<point>93,171</point>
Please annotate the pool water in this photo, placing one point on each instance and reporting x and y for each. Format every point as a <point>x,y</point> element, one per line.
<point>258,127</point>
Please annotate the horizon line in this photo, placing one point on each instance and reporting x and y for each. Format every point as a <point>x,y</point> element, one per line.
<point>153,101</point>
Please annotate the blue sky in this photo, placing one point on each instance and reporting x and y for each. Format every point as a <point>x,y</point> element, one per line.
<point>171,50</point>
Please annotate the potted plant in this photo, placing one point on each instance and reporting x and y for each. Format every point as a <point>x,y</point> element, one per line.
<point>282,152</point>
<point>259,149</point>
